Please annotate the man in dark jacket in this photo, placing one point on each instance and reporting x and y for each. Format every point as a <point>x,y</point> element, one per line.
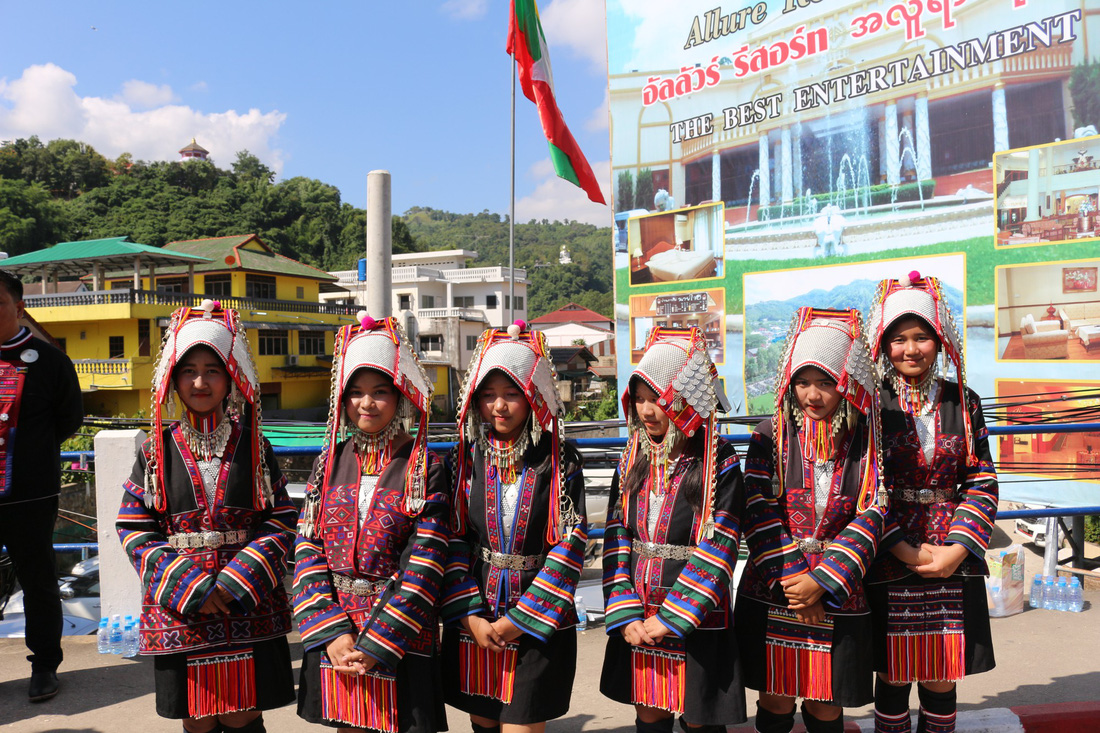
<point>40,406</point>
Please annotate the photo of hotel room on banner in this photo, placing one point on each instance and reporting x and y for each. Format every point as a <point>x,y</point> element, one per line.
<point>1049,193</point>
<point>1048,310</point>
<point>705,309</point>
<point>1071,456</point>
<point>681,244</point>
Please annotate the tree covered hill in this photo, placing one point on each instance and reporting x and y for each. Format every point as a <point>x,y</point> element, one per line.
<point>63,190</point>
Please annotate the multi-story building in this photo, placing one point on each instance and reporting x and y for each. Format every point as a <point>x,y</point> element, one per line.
<point>444,306</point>
<point>112,331</point>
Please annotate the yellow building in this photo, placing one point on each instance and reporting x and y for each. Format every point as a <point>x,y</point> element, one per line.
<point>112,332</point>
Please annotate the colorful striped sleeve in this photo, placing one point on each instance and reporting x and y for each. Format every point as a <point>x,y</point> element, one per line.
<point>621,602</point>
<point>549,599</point>
<point>413,604</point>
<point>972,523</point>
<point>771,549</point>
<point>850,553</point>
<point>260,566</point>
<point>168,579</point>
<point>461,596</point>
<point>319,617</point>
<point>705,579</point>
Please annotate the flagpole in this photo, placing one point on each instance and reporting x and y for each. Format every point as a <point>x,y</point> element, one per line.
<point>512,212</point>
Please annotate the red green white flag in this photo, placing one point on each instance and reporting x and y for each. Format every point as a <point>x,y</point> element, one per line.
<point>528,46</point>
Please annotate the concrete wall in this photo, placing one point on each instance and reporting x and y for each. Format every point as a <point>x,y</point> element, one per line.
<point>119,589</point>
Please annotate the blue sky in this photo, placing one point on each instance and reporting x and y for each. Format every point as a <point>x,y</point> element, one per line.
<point>326,90</point>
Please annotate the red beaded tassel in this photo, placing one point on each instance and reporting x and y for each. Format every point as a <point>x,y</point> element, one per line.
<point>657,679</point>
<point>360,701</point>
<point>485,673</point>
<point>219,683</point>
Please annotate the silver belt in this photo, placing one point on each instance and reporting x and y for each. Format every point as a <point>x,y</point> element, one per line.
<point>358,586</point>
<point>925,496</point>
<point>650,550</point>
<point>512,562</point>
<point>211,540</point>
<point>812,546</point>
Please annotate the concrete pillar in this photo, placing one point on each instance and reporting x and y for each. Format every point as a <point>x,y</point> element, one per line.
<point>1032,185</point>
<point>119,587</point>
<point>764,184</point>
<point>924,139</point>
<point>796,159</point>
<point>379,245</point>
<point>716,176</point>
<point>137,272</point>
<point>1000,118</point>
<point>97,277</point>
<point>786,179</point>
<point>893,148</point>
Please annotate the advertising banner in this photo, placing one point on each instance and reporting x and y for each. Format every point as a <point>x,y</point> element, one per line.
<point>783,153</point>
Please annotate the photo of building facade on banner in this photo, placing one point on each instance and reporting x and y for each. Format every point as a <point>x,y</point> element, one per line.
<point>789,152</point>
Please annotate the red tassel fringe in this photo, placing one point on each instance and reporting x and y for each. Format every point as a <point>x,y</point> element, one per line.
<point>658,679</point>
<point>360,701</point>
<point>486,673</point>
<point>220,683</point>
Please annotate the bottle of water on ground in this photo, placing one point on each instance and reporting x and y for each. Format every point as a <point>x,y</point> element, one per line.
<point>582,614</point>
<point>1035,600</point>
<point>116,637</point>
<point>1076,598</point>
<point>130,639</point>
<point>1048,592</point>
<point>1062,603</point>
<point>102,637</point>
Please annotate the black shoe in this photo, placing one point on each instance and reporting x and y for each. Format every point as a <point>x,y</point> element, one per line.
<point>43,686</point>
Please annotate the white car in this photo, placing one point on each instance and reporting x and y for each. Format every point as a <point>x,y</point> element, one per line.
<point>80,607</point>
<point>1035,528</point>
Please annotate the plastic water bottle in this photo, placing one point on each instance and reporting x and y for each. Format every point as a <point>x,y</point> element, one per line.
<point>1076,598</point>
<point>116,638</point>
<point>1062,596</point>
<point>582,614</point>
<point>1048,592</point>
<point>1035,600</point>
<point>102,637</point>
<point>130,640</point>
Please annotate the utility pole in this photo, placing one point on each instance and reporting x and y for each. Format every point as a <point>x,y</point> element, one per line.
<point>379,245</point>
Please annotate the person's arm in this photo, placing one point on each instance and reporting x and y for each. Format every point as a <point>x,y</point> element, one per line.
<point>460,597</point>
<point>549,597</point>
<point>972,523</point>
<point>622,606</point>
<point>69,402</point>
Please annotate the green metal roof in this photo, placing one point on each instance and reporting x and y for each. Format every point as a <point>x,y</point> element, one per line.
<point>76,259</point>
<point>228,253</point>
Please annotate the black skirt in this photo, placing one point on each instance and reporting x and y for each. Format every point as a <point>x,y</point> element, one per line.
<point>543,682</point>
<point>978,639</point>
<point>714,690</point>
<point>850,653</point>
<point>274,679</point>
<point>420,706</point>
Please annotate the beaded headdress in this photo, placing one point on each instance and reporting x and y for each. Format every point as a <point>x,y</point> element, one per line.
<point>677,366</point>
<point>382,346</point>
<point>220,330</point>
<point>923,297</point>
<point>524,356</point>
<point>834,342</point>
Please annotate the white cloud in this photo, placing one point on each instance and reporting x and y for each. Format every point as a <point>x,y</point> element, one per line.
<point>138,93</point>
<point>581,25</point>
<point>43,102</point>
<point>600,116</point>
<point>465,9</point>
<point>556,198</point>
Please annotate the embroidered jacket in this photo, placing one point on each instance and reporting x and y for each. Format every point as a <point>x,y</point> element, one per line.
<point>684,594</point>
<point>967,516</point>
<point>177,582</point>
<point>773,525</point>
<point>388,545</point>
<point>539,601</point>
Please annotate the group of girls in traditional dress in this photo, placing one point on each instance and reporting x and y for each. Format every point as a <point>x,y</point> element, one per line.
<point>866,505</point>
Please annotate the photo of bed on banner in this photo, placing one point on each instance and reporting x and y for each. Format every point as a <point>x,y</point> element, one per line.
<point>787,153</point>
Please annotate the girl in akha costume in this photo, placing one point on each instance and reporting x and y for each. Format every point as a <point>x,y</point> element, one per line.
<point>813,522</point>
<point>926,588</point>
<point>670,545</point>
<point>371,544</point>
<point>207,522</point>
<point>509,642</point>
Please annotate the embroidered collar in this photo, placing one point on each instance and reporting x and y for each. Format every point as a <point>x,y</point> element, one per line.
<point>375,449</point>
<point>504,456</point>
<point>205,436</point>
<point>20,338</point>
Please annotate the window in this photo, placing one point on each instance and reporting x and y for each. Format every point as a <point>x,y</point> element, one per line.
<point>274,343</point>
<point>260,286</point>
<point>61,345</point>
<point>471,343</point>
<point>301,292</point>
<point>427,301</point>
<point>311,343</point>
<point>431,343</point>
<point>519,302</point>
<point>507,302</point>
<point>143,336</point>
<point>116,347</point>
<point>463,301</point>
<point>491,301</point>
<point>218,285</point>
<point>404,302</point>
<point>172,284</point>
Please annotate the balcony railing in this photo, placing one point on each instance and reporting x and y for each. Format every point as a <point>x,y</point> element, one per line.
<point>160,297</point>
<point>481,274</point>
<point>465,314</point>
<point>102,366</point>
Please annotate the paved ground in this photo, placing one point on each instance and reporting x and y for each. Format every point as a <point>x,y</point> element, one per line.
<point>1043,657</point>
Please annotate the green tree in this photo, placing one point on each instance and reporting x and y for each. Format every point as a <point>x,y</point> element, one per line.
<point>29,218</point>
<point>1084,89</point>
<point>643,190</point>
<point>624,197</point>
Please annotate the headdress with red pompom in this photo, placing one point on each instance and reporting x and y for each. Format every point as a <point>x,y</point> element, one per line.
<point>383,346</point>
<point>924,297</point>
<point>219,329</point>
<point>677,366</point>
<point>524,356</point>
<point>834,342</point>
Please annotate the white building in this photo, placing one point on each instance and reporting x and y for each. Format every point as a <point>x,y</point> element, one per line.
<point>444,304</point>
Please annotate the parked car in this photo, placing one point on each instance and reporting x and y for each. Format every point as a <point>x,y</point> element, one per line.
<point>1034,528</point>
<point>80,606</point>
